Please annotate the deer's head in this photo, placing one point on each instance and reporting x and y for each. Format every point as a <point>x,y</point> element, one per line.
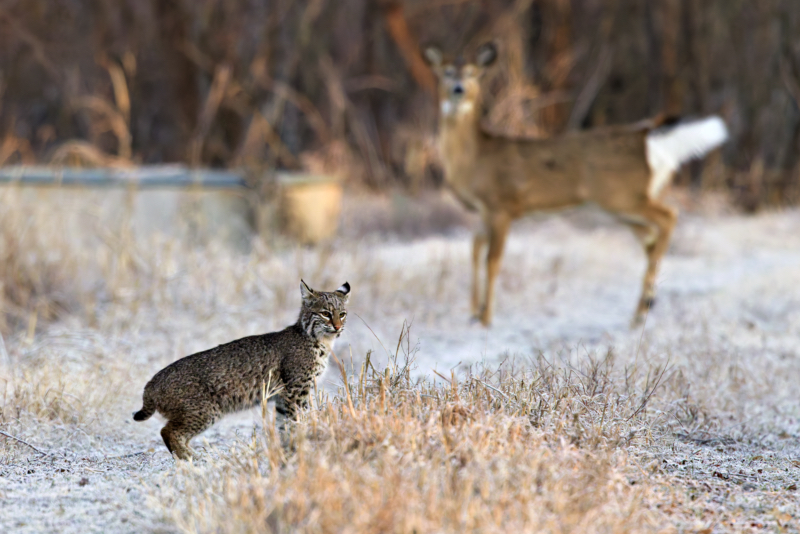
<point>459,81</point>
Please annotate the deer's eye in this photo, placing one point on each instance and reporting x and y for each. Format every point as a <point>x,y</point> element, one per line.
<point>450,71</point>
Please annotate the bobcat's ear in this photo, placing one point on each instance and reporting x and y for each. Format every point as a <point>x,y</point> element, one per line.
<point>305,291</point>
<point>344,290</point>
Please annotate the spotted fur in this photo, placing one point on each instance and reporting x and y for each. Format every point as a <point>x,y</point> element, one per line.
<point>196,391</point>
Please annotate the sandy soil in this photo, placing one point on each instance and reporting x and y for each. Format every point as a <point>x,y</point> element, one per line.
<point>727,323</point>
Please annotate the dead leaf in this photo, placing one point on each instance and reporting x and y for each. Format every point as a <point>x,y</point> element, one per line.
<point>781,517</point>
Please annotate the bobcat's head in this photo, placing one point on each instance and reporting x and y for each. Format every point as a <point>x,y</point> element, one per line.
<point>324,314</point>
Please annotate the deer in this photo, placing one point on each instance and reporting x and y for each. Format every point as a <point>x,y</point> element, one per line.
<point>622,169</point>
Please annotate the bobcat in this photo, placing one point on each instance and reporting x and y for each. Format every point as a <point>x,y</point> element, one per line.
<point>196,391</point>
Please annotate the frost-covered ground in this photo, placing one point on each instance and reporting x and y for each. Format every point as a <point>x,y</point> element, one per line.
<point>727,325</point>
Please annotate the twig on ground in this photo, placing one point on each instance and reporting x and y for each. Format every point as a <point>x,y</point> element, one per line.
<point>24,443</point>
<point>130,455</point>
<point>484,384</point>
<point>441,375</point>
<point>655,387</point>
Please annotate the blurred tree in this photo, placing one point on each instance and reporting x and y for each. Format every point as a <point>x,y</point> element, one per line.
<point>287,83</point>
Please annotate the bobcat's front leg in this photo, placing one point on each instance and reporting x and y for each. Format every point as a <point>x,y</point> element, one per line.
<point>289,402</point>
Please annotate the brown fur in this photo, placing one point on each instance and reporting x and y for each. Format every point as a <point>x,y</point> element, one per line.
<point>196,391</point>
<point>504,178</point>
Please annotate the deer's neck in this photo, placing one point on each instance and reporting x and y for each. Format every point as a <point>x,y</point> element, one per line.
<point>459,138</point>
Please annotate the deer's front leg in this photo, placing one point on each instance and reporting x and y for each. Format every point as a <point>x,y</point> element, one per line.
<point>498,231</point>
<point>478,246</point>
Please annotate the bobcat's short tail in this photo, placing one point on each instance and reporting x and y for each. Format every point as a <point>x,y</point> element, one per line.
<point>147,410</point>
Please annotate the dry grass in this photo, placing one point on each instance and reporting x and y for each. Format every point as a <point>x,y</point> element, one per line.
<point>35,275</point>
<point>557,420</point>
<point>399,215</point>
<point>43,387</point>
<point>538,448</point>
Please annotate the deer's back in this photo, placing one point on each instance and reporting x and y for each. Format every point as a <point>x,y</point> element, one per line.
<point>607,167</point>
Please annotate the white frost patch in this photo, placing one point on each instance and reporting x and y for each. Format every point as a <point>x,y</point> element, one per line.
<point>668,149</point>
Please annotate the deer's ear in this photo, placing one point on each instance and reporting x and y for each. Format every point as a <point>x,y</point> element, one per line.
<point>486,55</point>
<point>433,56</point>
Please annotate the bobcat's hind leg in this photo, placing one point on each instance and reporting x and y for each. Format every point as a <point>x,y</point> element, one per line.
<point>178,432</point>
<point>176,438</point>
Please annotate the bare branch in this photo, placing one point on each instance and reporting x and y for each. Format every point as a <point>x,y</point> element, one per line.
<point>24,443</point>
<point>589,92</point>
<point>408,46</point>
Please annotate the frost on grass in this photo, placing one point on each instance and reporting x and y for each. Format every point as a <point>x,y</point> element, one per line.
<point>535,448</point>
<point>557,419</point>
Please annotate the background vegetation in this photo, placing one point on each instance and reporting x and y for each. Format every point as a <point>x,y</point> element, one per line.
<point>324,83</point>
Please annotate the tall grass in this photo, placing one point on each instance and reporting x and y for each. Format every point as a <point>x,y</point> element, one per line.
<point>690,426</point>
<point>535,448</point>
<point>37,274</point>
<point>524,446</point>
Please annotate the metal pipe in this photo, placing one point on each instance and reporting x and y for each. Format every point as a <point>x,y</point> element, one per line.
<point>147,177</point>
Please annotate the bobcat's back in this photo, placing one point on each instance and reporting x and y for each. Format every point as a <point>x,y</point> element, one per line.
<point>229,376</point>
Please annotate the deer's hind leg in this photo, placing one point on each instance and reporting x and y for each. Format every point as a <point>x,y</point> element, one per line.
<point>653,224</point>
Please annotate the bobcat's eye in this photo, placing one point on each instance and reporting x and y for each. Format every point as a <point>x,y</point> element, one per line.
<point>325,315</point>
<point>342,315</point>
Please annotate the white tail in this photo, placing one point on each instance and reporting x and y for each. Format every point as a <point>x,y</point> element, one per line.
<point>622,169</point>
<point>670,147</point>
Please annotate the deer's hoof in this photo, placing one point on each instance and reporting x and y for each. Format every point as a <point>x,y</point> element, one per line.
<point>482,318</point>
